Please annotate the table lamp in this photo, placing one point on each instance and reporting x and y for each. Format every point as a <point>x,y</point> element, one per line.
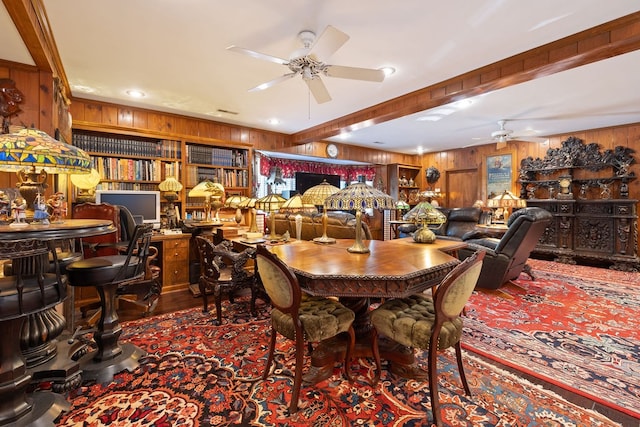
<point>317,195</point>
<point>507,201</point>
<point>234,203</point>
<point>426,216</point>
<point>28,149</point>
<point>359,196</point>
<point>213,193</point>
<point>271,204</point>
<point>250,203</point>
<point>86,184</point>
<point>170,187</point>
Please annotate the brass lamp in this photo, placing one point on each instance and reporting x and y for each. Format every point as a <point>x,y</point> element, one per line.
<point>271,204</point>
<point>86,184</point>
<point>507,201</point>
<point>213,193</point>
<point>250,203</point>
<point>359,196</point>
<point>28,149</point>
<point>234,203</point>
<point>170,187</point>
<point>426,216</point>
<point>317,195</point>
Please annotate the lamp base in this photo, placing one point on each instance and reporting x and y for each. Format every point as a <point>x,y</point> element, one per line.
<point>358,248</point>
<point>324,239</point>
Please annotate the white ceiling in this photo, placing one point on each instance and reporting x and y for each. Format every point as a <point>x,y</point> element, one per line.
<point>175,52</point>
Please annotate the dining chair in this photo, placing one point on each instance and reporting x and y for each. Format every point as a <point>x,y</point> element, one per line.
<point>432,323</point>
<point>224,271</point>
<point>299,319</point>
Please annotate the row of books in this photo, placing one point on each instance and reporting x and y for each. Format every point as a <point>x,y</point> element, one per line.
<point>132,147</point>
<point>216,156</point>
<point>136,186</point>
<point>226,177</point>
<point>128,169</point>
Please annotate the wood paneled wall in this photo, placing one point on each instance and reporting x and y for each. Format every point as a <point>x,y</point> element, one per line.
<point>475,157</point>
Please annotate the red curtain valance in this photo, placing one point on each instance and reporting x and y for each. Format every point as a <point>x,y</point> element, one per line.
<point>289,167</point>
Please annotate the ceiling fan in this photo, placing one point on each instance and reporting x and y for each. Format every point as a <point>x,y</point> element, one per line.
<point>308,63</point>
<point>502,135</point>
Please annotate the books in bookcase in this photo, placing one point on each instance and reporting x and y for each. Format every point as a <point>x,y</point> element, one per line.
<point>109,144</point>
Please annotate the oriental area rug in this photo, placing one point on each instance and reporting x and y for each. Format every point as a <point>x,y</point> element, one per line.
<point>198,374</point>
<point>574,327</point>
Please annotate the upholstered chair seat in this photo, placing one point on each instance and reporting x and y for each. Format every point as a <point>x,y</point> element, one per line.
<point>409,321</point>
<point>321,318</point>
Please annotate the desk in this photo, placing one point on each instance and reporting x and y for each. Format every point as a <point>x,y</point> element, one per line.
<point>41,408</point>
<point>393,268</point>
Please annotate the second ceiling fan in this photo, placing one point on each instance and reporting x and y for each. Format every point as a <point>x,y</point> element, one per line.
<point>309,63</point>
<point>503,135</point>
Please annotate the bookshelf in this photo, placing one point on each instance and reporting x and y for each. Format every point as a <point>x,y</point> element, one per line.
<point>228,165</point>
<point>140,161</point>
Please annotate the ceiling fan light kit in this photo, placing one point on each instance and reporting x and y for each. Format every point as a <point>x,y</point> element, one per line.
<point>307,62</point>
<point>504,135</point>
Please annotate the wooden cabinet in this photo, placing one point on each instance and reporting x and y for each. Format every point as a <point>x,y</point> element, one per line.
<point>404,182</point>
<point>586,191</point>
<point>173,251</point>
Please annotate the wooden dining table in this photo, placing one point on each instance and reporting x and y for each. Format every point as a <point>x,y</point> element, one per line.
<point>392,268</point>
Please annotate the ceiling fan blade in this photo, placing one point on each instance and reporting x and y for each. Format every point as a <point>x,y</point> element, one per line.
<point>528,139</point>
<point>482,142</point>
<point>258,55</point>
<point>354,73</point>
<point>273,82</point>
<point>318,89</point>
<point>328,43</point>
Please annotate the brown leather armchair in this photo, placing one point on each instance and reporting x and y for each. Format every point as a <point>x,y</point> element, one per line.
<point>507,257</point>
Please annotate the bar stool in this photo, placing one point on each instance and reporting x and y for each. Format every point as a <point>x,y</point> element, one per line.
<point>108,273</point>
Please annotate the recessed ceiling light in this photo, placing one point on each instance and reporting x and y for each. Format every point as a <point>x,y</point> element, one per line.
<point>274,121</point>
<point>420,150</point>
<point>134,93</point>
<point>344,135</point>
<point>429,118</point>
<point>388,71</point>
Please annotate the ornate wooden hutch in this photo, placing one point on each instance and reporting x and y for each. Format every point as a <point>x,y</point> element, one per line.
<point>587,191</point>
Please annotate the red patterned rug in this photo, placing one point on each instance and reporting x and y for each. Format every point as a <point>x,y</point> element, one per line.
<point>197,374</point>
<point>573,327</point>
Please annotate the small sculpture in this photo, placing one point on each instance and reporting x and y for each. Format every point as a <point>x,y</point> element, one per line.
<point>58,207</point>
<point>19,208</point>
<point>40,213</point>
<point>605,191</point>
<point>5,206</point>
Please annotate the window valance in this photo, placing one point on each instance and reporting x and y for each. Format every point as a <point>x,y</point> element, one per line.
<point>289,167</point>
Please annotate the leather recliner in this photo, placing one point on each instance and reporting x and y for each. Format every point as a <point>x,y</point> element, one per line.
<point>507,257</point>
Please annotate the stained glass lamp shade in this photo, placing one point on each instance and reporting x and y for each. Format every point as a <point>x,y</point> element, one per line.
<point>86,184</point>
<point>507,201</point>
<point>359,196</point>
<point>316,195</point>
<point>170,188</point>
<point>27,149</point>
<point>271,204</point>
<point>213,193</point>
<point>250,203</point>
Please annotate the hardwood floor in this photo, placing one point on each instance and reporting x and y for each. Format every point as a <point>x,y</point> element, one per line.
<point>183,299</point>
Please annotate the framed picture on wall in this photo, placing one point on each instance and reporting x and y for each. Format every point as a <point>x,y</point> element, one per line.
<point>499,174</point>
